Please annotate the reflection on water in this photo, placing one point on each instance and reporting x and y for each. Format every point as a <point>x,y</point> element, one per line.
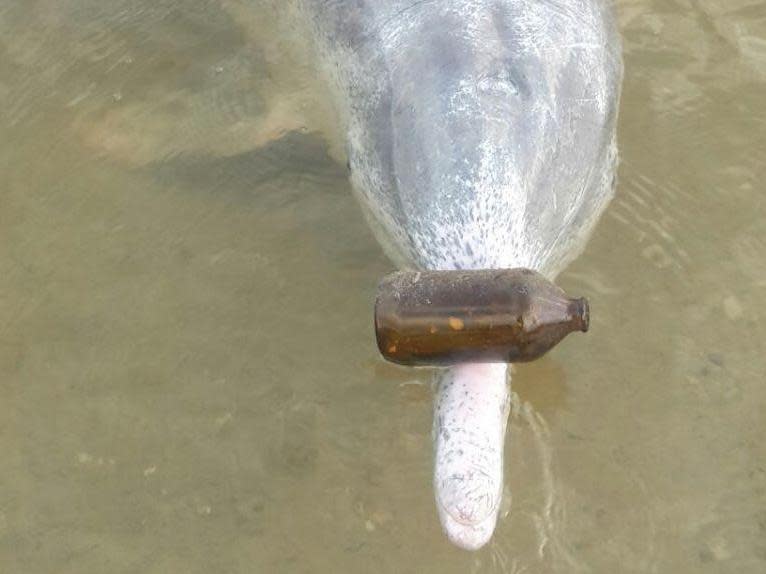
<point>188,379</point>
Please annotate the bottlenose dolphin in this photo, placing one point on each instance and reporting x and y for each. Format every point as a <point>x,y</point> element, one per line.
<point>480,134</point>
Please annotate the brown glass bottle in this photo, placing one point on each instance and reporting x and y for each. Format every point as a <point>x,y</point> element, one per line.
<point>442,318</point>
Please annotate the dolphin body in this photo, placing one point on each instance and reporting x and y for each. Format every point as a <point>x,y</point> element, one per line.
<point>480,134</point>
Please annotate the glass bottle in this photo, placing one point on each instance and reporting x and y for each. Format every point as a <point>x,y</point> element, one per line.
<point>439,318</point>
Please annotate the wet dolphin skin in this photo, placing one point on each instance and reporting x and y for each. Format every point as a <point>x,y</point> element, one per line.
<point>480,134</point>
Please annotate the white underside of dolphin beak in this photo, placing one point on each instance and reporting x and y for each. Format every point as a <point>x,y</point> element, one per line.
<point>467,536</point>
<point>470,418</point>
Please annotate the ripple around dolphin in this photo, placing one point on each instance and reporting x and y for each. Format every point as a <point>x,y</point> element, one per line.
<point>656,216</point>
<point>534,508</point>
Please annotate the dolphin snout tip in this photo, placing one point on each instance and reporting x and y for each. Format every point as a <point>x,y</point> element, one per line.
<point>468,536</point>
<point>467,509</point>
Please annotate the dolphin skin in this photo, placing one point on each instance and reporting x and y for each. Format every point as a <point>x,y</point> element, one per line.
<point>480,135</point>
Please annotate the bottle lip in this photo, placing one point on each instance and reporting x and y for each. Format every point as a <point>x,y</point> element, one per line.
<point>377,322</point>
<point>583,313</point>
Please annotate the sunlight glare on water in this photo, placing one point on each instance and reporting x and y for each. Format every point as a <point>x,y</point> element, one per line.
<point>188,375</point>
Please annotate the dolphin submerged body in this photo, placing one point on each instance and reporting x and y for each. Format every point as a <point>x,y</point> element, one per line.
<point>480,134</point>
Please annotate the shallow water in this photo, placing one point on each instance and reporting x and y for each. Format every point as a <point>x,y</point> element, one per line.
<point>188,377</point>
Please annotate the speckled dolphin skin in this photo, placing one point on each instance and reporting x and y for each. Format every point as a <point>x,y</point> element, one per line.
<point>481,134</point>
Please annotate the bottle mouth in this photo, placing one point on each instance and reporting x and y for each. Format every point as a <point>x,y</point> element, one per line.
<point>582,312</point>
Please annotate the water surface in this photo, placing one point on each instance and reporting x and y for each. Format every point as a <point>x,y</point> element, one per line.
<point>188,376</point>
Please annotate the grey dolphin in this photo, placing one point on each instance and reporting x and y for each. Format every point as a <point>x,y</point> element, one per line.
<point>481,134</point>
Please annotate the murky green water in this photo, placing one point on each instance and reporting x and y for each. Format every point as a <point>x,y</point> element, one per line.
<point>188,377</point>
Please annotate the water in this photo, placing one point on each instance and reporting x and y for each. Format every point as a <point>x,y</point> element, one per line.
<point>188,378</point>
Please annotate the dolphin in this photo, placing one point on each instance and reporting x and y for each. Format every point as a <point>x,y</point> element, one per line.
<point>480,134</point>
